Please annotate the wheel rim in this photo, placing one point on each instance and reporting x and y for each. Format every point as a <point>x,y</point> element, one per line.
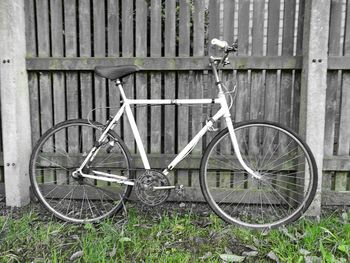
<point>78,200</point>
<point>283,165</point>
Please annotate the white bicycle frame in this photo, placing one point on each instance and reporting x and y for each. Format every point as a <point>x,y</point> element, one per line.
<point>224,111</point>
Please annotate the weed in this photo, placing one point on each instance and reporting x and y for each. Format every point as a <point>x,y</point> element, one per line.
<point>170,238</point>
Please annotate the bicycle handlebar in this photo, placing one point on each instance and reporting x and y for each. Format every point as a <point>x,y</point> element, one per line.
<point>224,45</point>
<point>219,43</point>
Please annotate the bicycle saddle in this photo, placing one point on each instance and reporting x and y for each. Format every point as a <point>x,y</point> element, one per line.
<point>115,72</point>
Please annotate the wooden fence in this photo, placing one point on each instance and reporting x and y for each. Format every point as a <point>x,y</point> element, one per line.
<point>169,40</point>
<point>337,132</point>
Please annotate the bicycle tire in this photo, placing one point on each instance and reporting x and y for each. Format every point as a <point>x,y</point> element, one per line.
<point>59,152</point>
<point>227,174</point>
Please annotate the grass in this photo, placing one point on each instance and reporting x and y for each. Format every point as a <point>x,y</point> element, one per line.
<point>171,238</point>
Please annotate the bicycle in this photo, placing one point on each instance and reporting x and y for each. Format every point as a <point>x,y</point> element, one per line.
<point>256,174</point>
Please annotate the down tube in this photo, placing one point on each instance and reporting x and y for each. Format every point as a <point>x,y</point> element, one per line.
<point>189,147</point>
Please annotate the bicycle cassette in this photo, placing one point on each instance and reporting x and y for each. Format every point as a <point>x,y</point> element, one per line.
<point>146,188</point>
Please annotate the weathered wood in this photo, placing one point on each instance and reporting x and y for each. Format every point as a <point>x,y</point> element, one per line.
<point>214,25</point>
<point>287,76</point>
<point>333,198</point>
<point>344,125</point>
<point>243,83</point>
<point>297,73</point>
<point>113,8</point>
<point>162,64</point>
<point>314,83</point>
<point>198,17</point>
<point>271,109</point>
<point>42,13</point>
<point>58,78</point>
<point>183,86</point>
<point>336,163</point>
<point>99,51</point>
<point>32,76</point>
<point>127,51</point>
<point>70,27</point>
<point>341,178</point>
<point>169,80</point>
<point>141,79</point>
<point>333,85</point>
<point>257,84</point>
<point>45,78</point>
<point>86,96</point>
<point>57,51</point>
<point>15,107</point>
<point>155,124</point>
<point>228,20</point>
<point>228,76</point>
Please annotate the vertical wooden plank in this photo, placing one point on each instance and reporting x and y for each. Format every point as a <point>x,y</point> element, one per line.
<point>286,88</point>
<point>155,77</point>
<point>100,88</point>
<point>257,85</point>
<point>198,27</point>
<point>32,76</point>
<point>183,85</point>
<point>257,81</point>
<point>333,82</point>
<point>58,79</point>
<point>272,50</point>
<point>113,51</point>
<point>85,51</point>
<point>70,29</point>
<point>86,97</point>
<point>242,97</point>
<point>229,77</point>
<point>196,81</point>
<point>344,126</point>
<point>99,51</point>
<point>141,78</point>
<point>44,51</point>
<point>297,73</point>
<point>15,102</point>
<point>287,50</point>
<point>242,93</point>
<point>229,18</point>
<point>45,89</point>
<point>271,78</point>
<point>169,80</point>
<point>127,51</point>
<point>57,51</point>
<point>344,123</point>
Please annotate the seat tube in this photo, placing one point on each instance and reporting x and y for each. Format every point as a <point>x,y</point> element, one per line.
<point>134,128</point>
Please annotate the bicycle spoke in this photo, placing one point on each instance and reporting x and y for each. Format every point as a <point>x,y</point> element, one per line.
<point>263,202</point>
<point>78,199</point>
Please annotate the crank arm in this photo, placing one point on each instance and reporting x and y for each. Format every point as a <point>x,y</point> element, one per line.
<point>164,187</point>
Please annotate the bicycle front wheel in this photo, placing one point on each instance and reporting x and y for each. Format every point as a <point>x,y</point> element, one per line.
<point>59,152</point>
<point>286,181</point>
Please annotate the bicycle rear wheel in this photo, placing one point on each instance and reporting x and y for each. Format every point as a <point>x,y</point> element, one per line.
<point>287,176</point>
<point>59,152</point>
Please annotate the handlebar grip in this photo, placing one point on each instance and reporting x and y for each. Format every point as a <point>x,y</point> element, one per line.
<point>219,43</point>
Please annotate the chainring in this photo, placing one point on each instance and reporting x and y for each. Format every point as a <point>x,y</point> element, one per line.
<point>144,187</point>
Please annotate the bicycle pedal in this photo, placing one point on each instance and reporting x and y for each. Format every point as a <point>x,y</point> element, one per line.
<point>180,190</point>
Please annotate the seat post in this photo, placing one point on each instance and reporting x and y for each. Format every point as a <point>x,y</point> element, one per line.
<point>120,86</point>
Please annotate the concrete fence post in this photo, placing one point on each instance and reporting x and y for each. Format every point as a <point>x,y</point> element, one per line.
<point>15,110</point>
<point>314,84</point>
